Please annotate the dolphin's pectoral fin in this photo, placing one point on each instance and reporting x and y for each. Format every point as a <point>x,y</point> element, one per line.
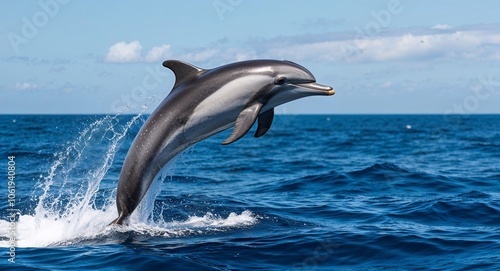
<point>182,70</point>
<point>244,122</point>
<point>265,120</point>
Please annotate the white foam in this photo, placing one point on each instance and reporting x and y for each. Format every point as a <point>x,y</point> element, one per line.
<point>246,218</point>
<point>35,231</point>
<point>192,225</point>
<point>49,231</point>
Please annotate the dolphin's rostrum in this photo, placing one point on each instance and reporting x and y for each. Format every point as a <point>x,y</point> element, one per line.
<point>203,103</point>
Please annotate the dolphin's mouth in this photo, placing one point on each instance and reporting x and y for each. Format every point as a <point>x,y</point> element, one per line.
<point>322,89</point>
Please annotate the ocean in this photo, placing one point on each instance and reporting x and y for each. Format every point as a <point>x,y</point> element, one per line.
<point>317,192</point>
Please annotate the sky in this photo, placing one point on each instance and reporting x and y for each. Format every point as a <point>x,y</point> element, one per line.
<point>380,56</point>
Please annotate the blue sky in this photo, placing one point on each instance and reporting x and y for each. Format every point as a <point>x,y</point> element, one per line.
<point>388,56</point>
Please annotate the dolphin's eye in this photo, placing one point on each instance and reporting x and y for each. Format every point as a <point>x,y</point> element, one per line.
<point>280,80</point>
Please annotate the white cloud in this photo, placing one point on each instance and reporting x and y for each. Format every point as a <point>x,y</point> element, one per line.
<point>210,56</point>
<point>158,53</point>
<point>479,42</point>
<point>201,56</point>
<point>214,54</point>
<point>441,27</point>
<point>410,46</point>
<point>467,43</point>
<point>241,56</point>
<point>386,84</point>
<point>123,52</point>
<point>25,86</point>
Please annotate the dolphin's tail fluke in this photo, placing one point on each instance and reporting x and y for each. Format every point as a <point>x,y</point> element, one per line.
<point>114,222</point>
<point>119,220</point>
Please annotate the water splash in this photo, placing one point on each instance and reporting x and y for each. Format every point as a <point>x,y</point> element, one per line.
<point>72,206</point>
<point>80,156</point>
<point>69,205</point>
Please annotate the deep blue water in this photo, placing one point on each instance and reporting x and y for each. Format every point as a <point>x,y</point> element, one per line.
<point>339,192</point>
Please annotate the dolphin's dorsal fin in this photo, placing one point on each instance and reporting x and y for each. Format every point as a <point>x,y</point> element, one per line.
<point>244,122</point>
<point>265,120</point>
<point>182,70</point>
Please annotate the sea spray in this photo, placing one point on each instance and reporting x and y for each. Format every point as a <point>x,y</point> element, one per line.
<point>68,205</point>
<point>144,211</point>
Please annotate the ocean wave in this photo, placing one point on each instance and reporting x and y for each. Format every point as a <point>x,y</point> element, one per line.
<point>474,195</point>
<point>495,177</point>
<point>378,178</point>
<point>448,211</point>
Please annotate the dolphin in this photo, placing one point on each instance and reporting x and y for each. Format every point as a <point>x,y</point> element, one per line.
<point>202,103</point>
